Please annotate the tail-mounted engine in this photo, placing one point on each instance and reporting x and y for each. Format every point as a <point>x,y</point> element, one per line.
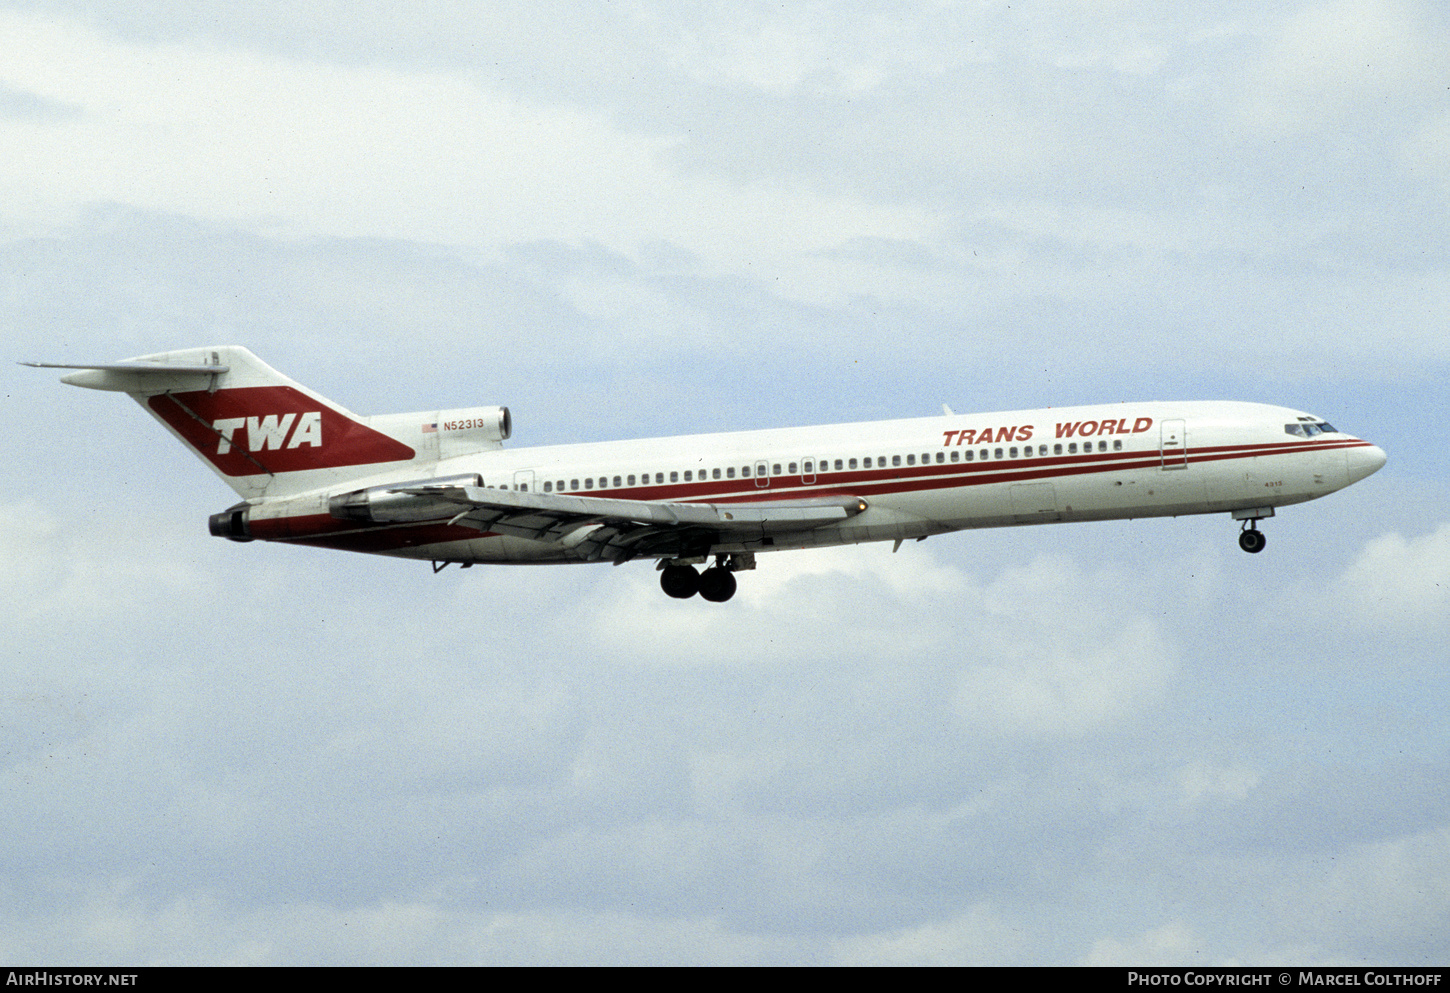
<point>233,523</point>
<point>446,434</point>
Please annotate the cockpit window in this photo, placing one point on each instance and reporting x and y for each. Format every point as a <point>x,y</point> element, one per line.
<point>1306,428</point>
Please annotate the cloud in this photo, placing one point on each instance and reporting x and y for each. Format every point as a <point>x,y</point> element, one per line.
<point>1389,899</point>
<point>1170,944</point>
<point>1402,585</point>
<point>111,923</point>
<point>308,149</point>
<point>1328,62</point>
<point>976,937</point>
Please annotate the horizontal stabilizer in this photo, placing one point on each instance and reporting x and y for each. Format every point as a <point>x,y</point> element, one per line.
<point>135,376</point>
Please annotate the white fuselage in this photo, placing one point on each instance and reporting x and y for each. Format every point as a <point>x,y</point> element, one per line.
<point>918,477</point>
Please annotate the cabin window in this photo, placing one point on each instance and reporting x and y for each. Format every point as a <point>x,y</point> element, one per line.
<point>617,481</point>
<point>745,472</point>
<point>970,453</point>
<point>573,484</point>
<point>941,457</point>
<point>1013,453</point>
<point>839,465</point>
<point>1057,448</point>
<point>629,480</point>
<point>1072,448</point>
<point>689,476</point>
<point>1102,446</point>
<point>792,470</point>
<point>896,460</point>
<point>852,463</point>
<point>675,477</point>
<point>910,459</point>
<point>715,474</point>
<point>925,458</point>
<point>775,469</point>
<point>589,484</point>
<point>956,455</point>
<point>997,453</point>
<point>729,472</point>
<point>866,462</point>
<point>1117,444</point>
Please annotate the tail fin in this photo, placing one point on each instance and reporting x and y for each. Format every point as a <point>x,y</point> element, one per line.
<point>263,433</point>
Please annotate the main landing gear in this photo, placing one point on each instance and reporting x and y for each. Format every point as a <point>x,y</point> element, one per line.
<point>716,584</point>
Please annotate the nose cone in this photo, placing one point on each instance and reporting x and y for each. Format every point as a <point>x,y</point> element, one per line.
<point>1364,461</point>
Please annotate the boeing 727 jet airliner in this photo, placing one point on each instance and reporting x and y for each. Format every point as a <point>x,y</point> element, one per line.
<point>438,485</point>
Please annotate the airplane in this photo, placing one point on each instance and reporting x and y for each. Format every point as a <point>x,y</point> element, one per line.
<point>438,485</point>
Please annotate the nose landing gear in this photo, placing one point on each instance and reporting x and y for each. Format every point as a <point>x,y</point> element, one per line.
<point>1251,539</point>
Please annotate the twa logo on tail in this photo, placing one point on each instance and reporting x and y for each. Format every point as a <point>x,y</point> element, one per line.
<point>273,429</point>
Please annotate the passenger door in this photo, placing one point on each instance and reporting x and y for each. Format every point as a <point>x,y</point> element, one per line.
<point>1173,446</point>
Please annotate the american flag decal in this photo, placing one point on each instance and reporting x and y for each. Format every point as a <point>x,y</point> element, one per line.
<point>430,428</point>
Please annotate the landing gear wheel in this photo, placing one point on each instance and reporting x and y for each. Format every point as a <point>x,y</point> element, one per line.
<point>680,581</point>
<point>717,585</point>
<point>1252,541</point>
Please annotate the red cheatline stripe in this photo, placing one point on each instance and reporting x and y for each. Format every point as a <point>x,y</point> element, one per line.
<point>322,529</point>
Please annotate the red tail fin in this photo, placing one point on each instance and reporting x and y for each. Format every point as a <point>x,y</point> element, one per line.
<point>263,433</point>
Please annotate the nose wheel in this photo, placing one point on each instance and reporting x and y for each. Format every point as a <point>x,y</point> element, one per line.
<point>1251,539</point>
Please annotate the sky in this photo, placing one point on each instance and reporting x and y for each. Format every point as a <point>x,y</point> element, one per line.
<point>1110,743</point>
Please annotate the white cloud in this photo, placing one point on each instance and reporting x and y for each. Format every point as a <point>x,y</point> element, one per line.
<point>309,149</point>
<point>112,922</point>
<point>1045,655</point>
<point>1402,585</point>
<point>977,936</point>
<point>1066,688</point>
<point>1389,899</point>
<point>1171,944</point>
<point>1203,782</point>
<point>1330,61</point>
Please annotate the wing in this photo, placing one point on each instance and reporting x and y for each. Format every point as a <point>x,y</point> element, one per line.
<point>594,528</point>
